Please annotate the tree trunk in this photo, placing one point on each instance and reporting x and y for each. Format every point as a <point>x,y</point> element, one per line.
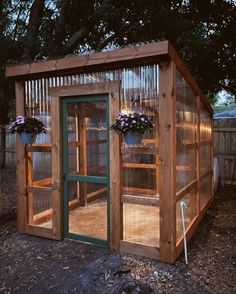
<point>1,194</point>
<point>36,14</point>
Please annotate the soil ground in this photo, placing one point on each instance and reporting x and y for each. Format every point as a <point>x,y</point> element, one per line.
<point>36,265</point>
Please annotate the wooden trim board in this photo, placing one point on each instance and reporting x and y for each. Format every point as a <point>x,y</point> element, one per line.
<point>119,57</point>
<point>140,249</point>
<point>21,164</point>
<point>113,90</point>
<point>38,231</point>
<point>167,149</point>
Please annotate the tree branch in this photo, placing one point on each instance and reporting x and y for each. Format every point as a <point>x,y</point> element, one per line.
<point>81,33</point>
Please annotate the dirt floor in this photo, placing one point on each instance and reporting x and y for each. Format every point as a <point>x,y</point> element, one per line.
<point>35,265</point>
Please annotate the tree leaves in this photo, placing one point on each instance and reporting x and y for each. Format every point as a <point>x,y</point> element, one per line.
<point>201,31</point>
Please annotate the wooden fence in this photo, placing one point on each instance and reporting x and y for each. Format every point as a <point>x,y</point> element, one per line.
<point>225,150</point>
<point>7,148</point>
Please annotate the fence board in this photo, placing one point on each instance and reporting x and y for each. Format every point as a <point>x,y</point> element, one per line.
<point>225,148</point>
<point>7,148</point>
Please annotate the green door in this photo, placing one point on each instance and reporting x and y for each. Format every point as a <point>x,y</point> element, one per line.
<point>86,168</point>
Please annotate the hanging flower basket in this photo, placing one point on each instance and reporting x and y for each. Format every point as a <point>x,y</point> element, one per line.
<point>28,128</point>
<point>133,138</point>
<point>132,126</point>
<point>27,138</point>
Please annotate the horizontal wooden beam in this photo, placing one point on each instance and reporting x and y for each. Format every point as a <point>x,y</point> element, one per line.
<point>186,145</point>
<point>150,141</point>
<point>119,57</point>
<point>140,249</point>
<point>185,190</point>
<point>141,200</point>
<point>97,192</point>
<point>139,149</point>
<point>140,165</point>
<point>74,144</point>
<point>140,104</point>
<point>39,148</point>
<point>224,129</point>
<point>225,155</point>
<point>73,203</point>
<point>42,217</point>
<point>39,231</point>
<point>184,168</point>
<point>90,170</point>
<point>139,191</point>
<point>38,189</point>
<point>43,182</point>
<point>208,173</point>
<point>95,142</point>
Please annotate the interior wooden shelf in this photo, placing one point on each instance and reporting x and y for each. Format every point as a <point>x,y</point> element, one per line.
<point>183,168</point>
<point>186,144</point>
<point>140,165</point>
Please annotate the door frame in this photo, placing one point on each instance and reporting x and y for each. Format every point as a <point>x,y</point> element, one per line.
<point>84,178</point>
<point>112,89</point>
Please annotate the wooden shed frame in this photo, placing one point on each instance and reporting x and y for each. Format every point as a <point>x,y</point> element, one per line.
<point>161,53</point>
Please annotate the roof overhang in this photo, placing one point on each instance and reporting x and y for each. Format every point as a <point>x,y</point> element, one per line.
<point>128,56</point>
<point>123,57</point>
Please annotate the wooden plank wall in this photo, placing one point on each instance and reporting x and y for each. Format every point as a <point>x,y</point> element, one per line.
<point>225,144</point>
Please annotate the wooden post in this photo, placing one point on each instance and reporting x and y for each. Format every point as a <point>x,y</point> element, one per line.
<point>115,181</point>
<point>57,225</point>
<point>212,155</point>
<point>198,146</point>
<point>77,138</point>
<point>82,157</point>
<point>168,162</point>
<point>21,163</point>
<point>29,168</point>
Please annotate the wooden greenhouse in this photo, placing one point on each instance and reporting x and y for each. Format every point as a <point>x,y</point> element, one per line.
<point>82,181</point>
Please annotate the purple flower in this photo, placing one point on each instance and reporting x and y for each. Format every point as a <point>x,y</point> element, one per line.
<point>20,120</point>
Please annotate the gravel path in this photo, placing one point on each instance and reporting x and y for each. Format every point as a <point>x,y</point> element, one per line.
<point>36,265</point>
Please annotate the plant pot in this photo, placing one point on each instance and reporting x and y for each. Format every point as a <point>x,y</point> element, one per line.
<point>27,138</point>
<point>133,138</point>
